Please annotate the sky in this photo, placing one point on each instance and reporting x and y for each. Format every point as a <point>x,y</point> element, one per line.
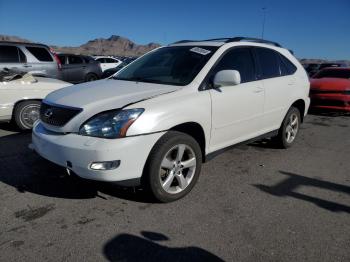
<point>311,28</point>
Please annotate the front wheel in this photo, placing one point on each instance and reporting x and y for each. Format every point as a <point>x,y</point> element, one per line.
<point>289,128</point>
<point>173,166</point>
<point>26,113</point>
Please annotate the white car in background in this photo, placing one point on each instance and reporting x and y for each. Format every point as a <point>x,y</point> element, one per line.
<point>21,97</point>
<point>107,62</point>
<point>159,118</point>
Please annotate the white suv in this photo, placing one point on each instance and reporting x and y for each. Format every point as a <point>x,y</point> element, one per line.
<point>156,121</point>
<point>107,62</point>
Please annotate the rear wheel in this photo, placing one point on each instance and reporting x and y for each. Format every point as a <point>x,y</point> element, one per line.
<point>26,113</point>
<point>289,128</point>
<point>173,166</point>
<point>90,77</point>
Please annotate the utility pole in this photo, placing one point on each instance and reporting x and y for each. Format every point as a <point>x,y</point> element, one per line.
<point>263,23</point>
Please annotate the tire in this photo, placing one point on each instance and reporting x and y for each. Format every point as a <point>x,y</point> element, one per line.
<point>26,113</point>
<point>283,140</point>
<point>179,178</point>
<point>91,77</point>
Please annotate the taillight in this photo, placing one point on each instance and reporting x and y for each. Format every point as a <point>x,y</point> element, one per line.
<point>59,64</point>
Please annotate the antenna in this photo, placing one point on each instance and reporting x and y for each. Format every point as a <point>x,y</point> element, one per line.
<point>263,22</point>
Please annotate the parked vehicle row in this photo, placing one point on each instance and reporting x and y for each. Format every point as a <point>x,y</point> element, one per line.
<point>27,57</point>
<point>40,60</point>
<point>157,120</point>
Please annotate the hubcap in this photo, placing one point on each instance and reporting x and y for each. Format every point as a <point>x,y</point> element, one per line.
<point>177,168</point>
<point>292,128</point>
<point>30,114</point>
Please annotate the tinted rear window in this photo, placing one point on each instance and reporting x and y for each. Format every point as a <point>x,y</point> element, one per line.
<point>75,60</point>
<point>11,54</point>
<point>40,53</point>
<point>273,64</point>
<point>288,65</point>
<point>269,63</point>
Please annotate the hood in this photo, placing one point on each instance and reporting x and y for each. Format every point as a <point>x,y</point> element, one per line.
<point>98,96</point>
<point>330,84</point>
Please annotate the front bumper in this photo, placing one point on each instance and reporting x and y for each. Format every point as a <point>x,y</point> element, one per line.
<point>333,101</point>
<point>78,152</point>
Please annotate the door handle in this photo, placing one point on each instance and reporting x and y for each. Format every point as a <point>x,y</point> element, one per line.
<point>27,65</point>
<point>258,90</point>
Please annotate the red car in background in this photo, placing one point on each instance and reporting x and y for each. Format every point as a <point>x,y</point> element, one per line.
<point>330,89</point>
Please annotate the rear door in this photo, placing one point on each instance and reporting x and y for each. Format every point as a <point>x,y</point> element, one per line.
<point>277,75</point>
<point>44,63</point>
<point>237,111</point>
<point>75,69</point>
<point>12,57</point>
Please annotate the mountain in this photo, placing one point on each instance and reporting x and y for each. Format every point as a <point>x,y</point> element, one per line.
<point>11,38</point>
<point>114,45</point>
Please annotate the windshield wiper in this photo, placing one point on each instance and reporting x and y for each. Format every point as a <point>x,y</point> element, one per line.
<point>139,79</point>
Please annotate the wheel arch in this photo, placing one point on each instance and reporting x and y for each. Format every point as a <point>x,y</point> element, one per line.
<point>194,130</point>
<point>300,105</point>
<point>23,100</point>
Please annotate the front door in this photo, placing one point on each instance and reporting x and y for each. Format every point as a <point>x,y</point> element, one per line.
<point>236,110</point>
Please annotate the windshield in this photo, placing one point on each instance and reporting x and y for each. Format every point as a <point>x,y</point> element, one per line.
<point>176,65</point>
<point>338,73</point>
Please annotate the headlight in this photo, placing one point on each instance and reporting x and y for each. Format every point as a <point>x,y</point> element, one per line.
<point>112,124</point>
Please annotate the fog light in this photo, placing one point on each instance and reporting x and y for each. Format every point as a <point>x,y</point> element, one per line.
<point>106,165</point>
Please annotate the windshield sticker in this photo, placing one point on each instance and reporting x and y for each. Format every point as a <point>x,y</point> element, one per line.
<point>201,51</point>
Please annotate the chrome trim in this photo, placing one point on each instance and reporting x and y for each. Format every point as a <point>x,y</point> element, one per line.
<point>63,106</point>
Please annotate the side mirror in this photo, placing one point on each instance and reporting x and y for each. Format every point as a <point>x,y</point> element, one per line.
<point>227,78</point>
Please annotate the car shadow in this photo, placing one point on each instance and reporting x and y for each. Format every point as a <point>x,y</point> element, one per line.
<point>11,127</point>
<point>329,113</point>
<point>26,171</point>
<point>130,248</point>
<point>286,188</point>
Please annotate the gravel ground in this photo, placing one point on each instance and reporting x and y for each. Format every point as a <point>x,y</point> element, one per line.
<point>252,203</point>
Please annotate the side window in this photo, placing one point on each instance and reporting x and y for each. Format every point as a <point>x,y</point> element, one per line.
<point>22,56</point>
<point>110,60</point>
<point>269,62</point>
<point>101,60</point>
<point>9,54</point>
<point>75,60</point>
<point>290,67</point>
<point>239,59</point>
<point>40,53</point>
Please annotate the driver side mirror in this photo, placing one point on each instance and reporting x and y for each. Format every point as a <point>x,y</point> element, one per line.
<point>226,78</point>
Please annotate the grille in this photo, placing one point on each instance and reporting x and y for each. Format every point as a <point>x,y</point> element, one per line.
<point>57,115</point>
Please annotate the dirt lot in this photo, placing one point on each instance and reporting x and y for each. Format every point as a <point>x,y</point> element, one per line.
<point>252,203</point>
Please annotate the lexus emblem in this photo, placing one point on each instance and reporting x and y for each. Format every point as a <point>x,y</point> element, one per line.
<point>48,113</point>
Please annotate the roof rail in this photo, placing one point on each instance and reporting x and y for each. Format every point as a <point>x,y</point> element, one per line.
<point>233,39</point>
<point>251,39</point>
<point>224,39</point>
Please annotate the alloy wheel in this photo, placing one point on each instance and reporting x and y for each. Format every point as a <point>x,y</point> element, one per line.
<point>177,168</point>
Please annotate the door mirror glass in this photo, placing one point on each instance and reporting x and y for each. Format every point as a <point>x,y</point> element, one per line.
<point>227,78</point>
